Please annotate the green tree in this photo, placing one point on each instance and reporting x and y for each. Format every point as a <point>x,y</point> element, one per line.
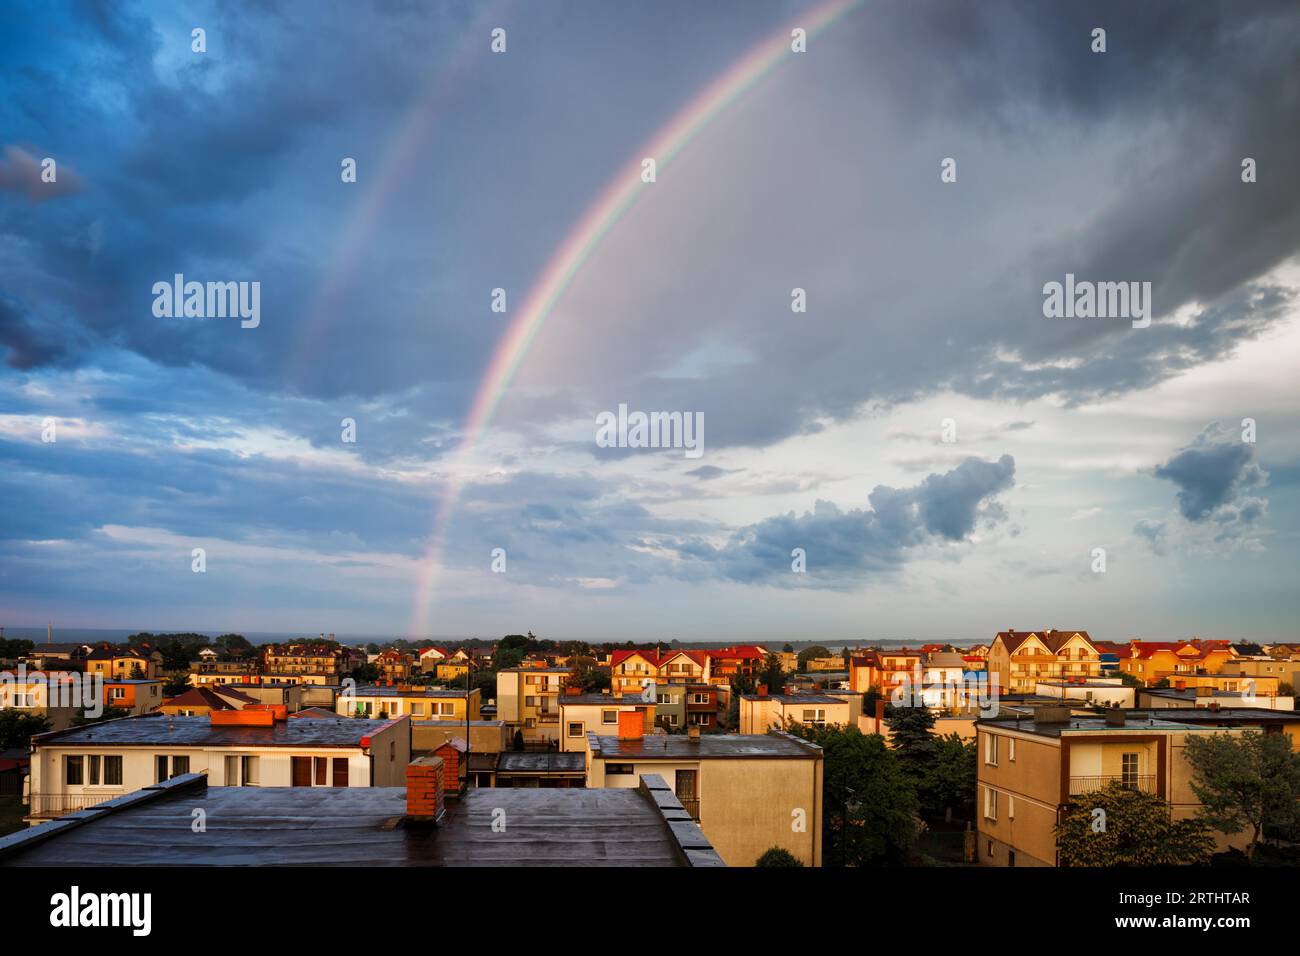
<point>1248,781</point>
<point>869,808</point>
<point>951,783</point>
<point>175,686</point>
<point>518,742</point>
<point>18,728</point>
<point>772,674</point>
<point>1133,829</point>
<point>778,856</point>
<point>504,659</point>
<point>808,653</point>
<point>787,648</point>
<point>236,645</point>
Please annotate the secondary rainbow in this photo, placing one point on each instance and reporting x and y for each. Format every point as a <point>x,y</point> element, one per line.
<point>619,195</point>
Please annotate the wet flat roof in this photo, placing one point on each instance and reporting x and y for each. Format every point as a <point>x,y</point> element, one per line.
<point>524,762</point>
<point>706,745</point>
<point>1166,719</point>
<point>362,826</point>
<point>382,690</point>
<point>153,730</point>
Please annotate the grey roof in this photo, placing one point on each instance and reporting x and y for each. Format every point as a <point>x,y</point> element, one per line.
<point>659,746</point>
<point>457,723</point>
<point>382,690</point>
<point>608,699</point>
<point>154,730</point>
<point>1167,719</point>
<point>362,826</point>
<point>797,698</point>
<point>512,761</point>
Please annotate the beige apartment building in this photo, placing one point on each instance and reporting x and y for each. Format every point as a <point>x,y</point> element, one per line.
<point>528,700</point>
<point>583,714</point>
<point>760,713</point>
<point>748,792</point>
<point>1029,768</point>
<point>419,703</point>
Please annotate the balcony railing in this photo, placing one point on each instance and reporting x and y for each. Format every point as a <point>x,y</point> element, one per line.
<point>692,806</point>
<point>1145,782</point>
<point>51,805</point>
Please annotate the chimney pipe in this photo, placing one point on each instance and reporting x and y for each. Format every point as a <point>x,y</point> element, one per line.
<point>424,791</point>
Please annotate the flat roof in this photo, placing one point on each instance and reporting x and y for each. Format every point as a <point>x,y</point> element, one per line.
<point>457,723</point>
<point>609,699</point>
<point>658,746</point>
<point>363,826</point>
<point>795,698</point>
<point>1167,719</point>
<point>383,690</point>
<point>516,761</point>
<point>162,730</point>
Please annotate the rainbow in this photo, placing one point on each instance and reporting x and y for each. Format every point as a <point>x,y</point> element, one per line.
<point>601,216</point>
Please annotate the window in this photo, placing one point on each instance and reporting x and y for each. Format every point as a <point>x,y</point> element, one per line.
<point>113,771</point>
<point>990,750</point>
<point>320,767</point>
<point>417,709</point>
<point>160,768</point>
<point>1128,770</point>
<point>180,765</point>
<point>619,768</point>
<point>1011,748</point>
<point>447,709</point>
<point>340,771</point>
<point>92,770</point>
<point>530,701</point>
<point>990,804</point>
<point>609,716</point>
<point>72,771</point>
<point>575,728</point>
<point>117,693</point>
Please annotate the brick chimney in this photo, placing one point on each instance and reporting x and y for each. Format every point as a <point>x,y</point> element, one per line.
<point>762,690</point>
<point>425,778</point>
<point>693,732</point>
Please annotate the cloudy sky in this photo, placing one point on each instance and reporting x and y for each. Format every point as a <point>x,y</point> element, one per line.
<point>824,429</point>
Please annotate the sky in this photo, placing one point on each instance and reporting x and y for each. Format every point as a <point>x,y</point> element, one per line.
<point>921,453</point>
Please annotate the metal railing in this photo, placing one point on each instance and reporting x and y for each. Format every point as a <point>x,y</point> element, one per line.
<point>49,805</point>
<point>1145,782</point>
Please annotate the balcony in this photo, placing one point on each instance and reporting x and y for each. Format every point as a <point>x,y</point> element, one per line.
<point>692,806</point>
<point>49,806</point>
<point>1146,782</point>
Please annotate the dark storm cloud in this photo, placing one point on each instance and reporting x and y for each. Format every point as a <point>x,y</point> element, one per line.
<point>1213,475</point>
<point>847,545</point>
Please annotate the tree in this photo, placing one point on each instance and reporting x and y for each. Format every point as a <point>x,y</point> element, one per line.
<point>1248,782</point>
<point>18,728</point>
<point>772,674</point>
<point>1134,828</point>
<point>869,804</point>
<point>951,783</point>
<point>175,686</point>
<point>236,645</point>
<point>808,653</point>
<point>777,856</point>
<point>787,649</point>
<point>504,659</point>
<point>518,742</point>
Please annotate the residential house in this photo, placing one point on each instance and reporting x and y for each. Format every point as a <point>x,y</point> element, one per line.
<point>747,792</point>
<point>1018,660</point>
<point>390,826</point>
<point>393,664</point>
<point>305,663</point>
<point>760,713</point>
<point>1030,767</point>
<point>83,766</point>
<point>109,661</point>
<point>583,714</point>
<point>528,700</point>
<point>1154,661</point>
<point>134,695</point>
<point>419,703</point>
<point>58,696</point>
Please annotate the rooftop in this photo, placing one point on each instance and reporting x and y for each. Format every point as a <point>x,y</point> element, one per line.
<point>157,729</point>
<point>706,745</point>
<point>797,698</point>
<point>1170,719</point>
<point>363,826</point>
<point>512,761</point>
<point>384,690</point>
